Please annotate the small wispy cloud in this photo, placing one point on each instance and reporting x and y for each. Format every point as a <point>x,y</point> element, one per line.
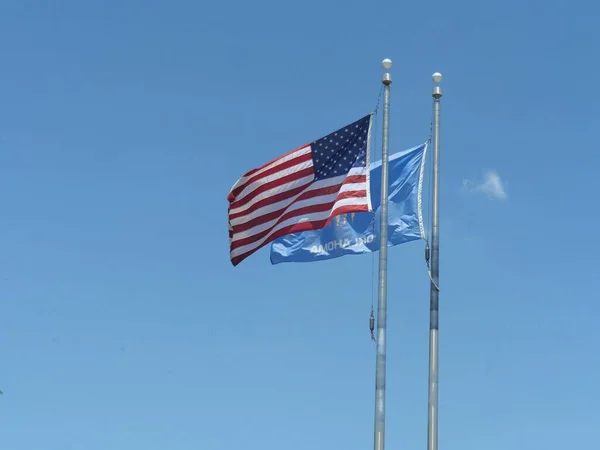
<point>491,185</point>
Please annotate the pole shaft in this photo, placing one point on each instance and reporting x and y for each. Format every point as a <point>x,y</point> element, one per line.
<point>379,438</point>
<point>432,428</point>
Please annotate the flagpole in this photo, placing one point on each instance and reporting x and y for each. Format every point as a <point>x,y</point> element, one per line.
<point>379,435</point>
<point>432,427</point>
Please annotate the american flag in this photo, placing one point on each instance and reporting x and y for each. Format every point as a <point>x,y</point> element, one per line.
<point>301,190</point>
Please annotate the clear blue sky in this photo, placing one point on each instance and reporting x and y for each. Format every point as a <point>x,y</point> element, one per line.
<point>123,325</point>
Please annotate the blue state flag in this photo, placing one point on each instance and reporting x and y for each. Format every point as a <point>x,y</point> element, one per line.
<point>352,234</point>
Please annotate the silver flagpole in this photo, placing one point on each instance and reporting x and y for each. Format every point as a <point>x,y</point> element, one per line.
<point>432,427</point>
<point>379,438</point>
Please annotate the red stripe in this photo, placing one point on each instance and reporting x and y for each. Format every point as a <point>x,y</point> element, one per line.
<point>347,209</point>
<point>273,184</point>
<point>355,179</point>
<point>319,207</point>
<point>316,193</point>
<point>269,200</point>
<point>296,228</point>
<point>284,196</point>
<point>299,212</point>
<point>278,168</point>
<point>321,191</point>
<point>292,192</point>
<point>351,194</point>
<point>299,227</point>
<point>250,172</point>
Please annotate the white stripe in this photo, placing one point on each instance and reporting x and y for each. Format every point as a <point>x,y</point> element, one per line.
<point>420,193</point>
<point>273,177</point>
<point>299,152</point>
<point>292,221</point>
<point>353,187</point>
<point>350,202</point>
<point>356,171</point>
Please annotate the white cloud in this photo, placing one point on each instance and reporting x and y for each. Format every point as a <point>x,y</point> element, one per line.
<point>491,185</point>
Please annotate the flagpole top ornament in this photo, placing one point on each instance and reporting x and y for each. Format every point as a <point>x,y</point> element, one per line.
<point>387,77</point>
<point>437,90</point>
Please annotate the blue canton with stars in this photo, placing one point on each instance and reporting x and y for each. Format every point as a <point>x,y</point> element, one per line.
<point>338,152</point>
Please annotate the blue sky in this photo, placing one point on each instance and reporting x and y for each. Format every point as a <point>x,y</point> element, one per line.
<point>123,324</point>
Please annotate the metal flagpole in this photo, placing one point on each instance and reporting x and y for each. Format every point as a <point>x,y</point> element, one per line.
<point>379,438</point>
<point>432,427</point>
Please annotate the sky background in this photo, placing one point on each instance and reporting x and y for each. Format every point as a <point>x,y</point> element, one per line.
<point>123,325</point>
